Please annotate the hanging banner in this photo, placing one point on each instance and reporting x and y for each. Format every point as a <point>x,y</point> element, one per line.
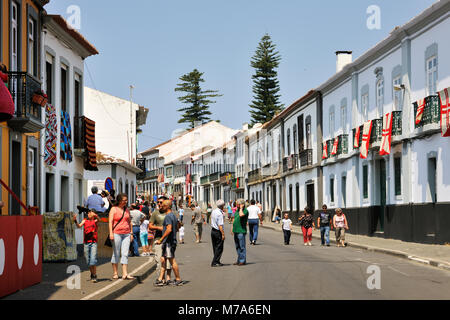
<point>367,129</point>
<point>335,146</point>
<point>420,107</point>
<point>325,151</point>
<point>356,140</point>
<point>385,148</point>
<point>445,112</point>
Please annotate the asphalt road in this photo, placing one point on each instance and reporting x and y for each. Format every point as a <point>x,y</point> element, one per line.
<point>295,272</point>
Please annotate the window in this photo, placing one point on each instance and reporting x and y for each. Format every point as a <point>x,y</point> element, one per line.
<point>49,77</point>
<point>288,141</point>
<point>344,191</point>
<point>344,118</point>
<point>365,182</point>
<point>32,47</point>
<point>365,106</point>
<point>294,134</point>
<point>63,87</point>
<point>308,132</point>
<point>14,37</point>
<point>77,95</point>
<point>380,96</point>
<point>331,122</point>
<point>301,144</point>
<point>431,75</point>
<point>332,189</point>
<point>398,176</point>
<point>397,94</point>
<point>432,179</point>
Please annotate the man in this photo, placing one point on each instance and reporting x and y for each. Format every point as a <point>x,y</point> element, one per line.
<point>198,218</point>
<point>254,217</point>
<point>95,201</point>
<point>169,243</point>
<point>136,219</point>
<point>324,222</point>
<point>156,224</point>
<point>217,233</point>
<point>145,209</point>
<point>239,231</point>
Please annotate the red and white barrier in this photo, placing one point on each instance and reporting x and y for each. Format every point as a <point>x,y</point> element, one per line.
<point>20,252</point>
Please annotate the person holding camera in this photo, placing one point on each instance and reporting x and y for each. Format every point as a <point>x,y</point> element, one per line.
<point>90,240</point>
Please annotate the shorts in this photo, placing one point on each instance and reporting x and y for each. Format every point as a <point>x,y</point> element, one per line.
<point>151,235</point>
<point>168,250</point>
<point>144,239</point>
<point>198,228</point>
<point>158,255</point>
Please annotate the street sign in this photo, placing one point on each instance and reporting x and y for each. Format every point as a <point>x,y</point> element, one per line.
<point>109,185</point>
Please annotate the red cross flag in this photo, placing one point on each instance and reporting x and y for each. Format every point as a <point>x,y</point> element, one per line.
<point>385,148</point>
<point>335,146</point>
<point>325,151</point>
<point>445,112</point>
<point>367,129</point>
<point>420,108</point>
<point>356,141</point>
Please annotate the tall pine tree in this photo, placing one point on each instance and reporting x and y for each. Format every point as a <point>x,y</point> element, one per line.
<point>265,102</point>
<point>197,100</point>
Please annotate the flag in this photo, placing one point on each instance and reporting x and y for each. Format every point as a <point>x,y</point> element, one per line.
<point>325,151</point>
<point>385,148</point>
<point>356,140</point>
<point>420,107</point>
<point>335,146</point>
<point>367,129</point>
<point>445,112</point>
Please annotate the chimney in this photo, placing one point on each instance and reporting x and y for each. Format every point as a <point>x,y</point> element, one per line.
<point>245,126</point>
<point>342,59</point>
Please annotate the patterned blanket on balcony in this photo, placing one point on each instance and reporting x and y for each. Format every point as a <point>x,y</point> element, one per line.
<point>89,136</point>
<point>66,137</point>
<point>51,133</point>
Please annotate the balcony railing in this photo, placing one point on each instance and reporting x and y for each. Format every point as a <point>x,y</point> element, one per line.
<point>27,116</point>
<point>204,179</point>
<point>147,175</point>
<point>214,177</point>
<point>342,147</point>
<point>396,123</point>
<point>306,158</point>
<point>377,130</point>
<point>254,175</point>
<point>431,112</point>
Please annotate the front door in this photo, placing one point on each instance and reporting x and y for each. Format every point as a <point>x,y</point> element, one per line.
<point>310,196</point>
<point>382,183</point>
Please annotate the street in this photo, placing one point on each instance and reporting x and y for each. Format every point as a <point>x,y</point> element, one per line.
<point>295,272</point>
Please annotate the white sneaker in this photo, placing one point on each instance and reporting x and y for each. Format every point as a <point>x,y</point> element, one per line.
<point>306,243</point>
<point>309,244</point>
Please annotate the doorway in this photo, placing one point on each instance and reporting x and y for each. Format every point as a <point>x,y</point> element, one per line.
<point>382,188</point>
<point>15,177</point>
<point>310,196</point>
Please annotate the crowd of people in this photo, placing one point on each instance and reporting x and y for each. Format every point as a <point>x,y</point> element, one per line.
<point>154,227</point>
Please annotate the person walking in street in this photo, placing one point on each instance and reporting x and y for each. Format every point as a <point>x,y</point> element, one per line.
<point>120,234</point>
<point>340,225</point>
<point>181,232</point>
<point>90,240</point>
<point>287,227</point>
<point>169,244</point>
<point>324,222</point>
<point>307,223</point>
<point>143,234</point>
<point>217,233</point>
<point>181,212</point>
<point>136,218</point>
<point>156,225</point>
<point>239,231</point>
<point>198,219</point>
<point>229,210</point>
<point>254,218</point>
<point>208,213</point>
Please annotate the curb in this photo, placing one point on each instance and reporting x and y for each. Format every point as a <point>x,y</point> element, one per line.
<point>121,289</point>
<point>398,254</point>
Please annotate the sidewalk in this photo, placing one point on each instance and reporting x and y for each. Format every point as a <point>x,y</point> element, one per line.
<point>55,280</point>
<point>431,254</point>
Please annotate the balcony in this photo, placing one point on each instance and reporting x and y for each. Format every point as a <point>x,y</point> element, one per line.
<point>204,180</point>
<point>396,123</point>
<point>27,116</point>
<point>147,175</point>
<point>306,158</point>
<point>254,175</point>
<point>342,147</point>
<point>431,112</point>
<point>377,130</point>
<point>214,177</point>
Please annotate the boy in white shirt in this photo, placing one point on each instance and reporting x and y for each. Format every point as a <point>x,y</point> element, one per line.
<point>287,227</point>
<point>181,233</point>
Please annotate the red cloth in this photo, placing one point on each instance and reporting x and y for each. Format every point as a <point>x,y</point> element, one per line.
<point>307,234</point>
<point>325,151</point>
<point>90,231</point>
<point>357,133</point>
<point>6,101</point>
<point>335,146</point>
<point>367,129</point>
<point>420,108</point>
<point>445,112</point>
<point>385,148</point>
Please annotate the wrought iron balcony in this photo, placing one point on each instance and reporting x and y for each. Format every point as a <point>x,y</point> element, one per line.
<point>306,158</point>
<point>204,179</point>
<point>377,130</point>
<point>254,175</point>
<point>147,175</point>
<point>431,112</point>
<point>214,177</point>
<point>27,116</point>
<point>342,147</point>
<point>396,123</point>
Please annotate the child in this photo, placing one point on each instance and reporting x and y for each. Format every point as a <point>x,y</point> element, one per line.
<point>181,233</point>
<point>143,234</point>
<point>181,212</point>
<point>90,240</point>
<point>287,226</point>
<point>151,238</point>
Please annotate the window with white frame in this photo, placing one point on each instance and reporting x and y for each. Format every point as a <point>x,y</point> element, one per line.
<point>397,94</point>
<point>344,118</point>
<point>431,75</point>
<point>380,96</point>
<point>31,46</point>
<point>14,37</point>
<point>365,106</point>
<point>331,122</point>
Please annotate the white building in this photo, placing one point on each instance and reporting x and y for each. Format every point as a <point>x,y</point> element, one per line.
<point>64,52</point>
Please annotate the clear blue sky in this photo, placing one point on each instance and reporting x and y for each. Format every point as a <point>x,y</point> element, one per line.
<point>151,43</point>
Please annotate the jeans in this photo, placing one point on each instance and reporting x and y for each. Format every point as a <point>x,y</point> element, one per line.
<point>325,234</point>
<point>90,253</point>
<point>121,246</point>
<point>239,241</point>
<point>135,244</point>
<point>253,225</point>
<point>287,236</point>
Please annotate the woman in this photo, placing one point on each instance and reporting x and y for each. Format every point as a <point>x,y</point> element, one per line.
<point>120,234</point>
<point>307,223</point>
<point>340,225</point>
<point>239,231</point>
<point>208,213</point>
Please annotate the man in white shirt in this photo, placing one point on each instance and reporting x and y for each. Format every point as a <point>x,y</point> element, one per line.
<point>217,233</point>
<point>254,218</point>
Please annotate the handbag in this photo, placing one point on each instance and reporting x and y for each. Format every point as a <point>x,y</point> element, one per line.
<point>108,242</point>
